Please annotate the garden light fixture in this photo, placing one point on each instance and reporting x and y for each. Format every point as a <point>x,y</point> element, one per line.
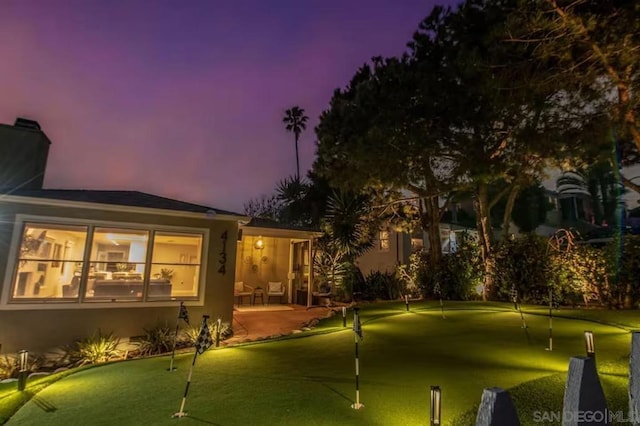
<point>588,341</point>
<point>436,404</point>
<point>23,364</point>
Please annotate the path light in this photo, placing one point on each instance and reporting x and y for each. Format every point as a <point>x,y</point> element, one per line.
<point>588,342</point>
<point>436,412</point>
<point>344,316</point>
<point>23,363</point>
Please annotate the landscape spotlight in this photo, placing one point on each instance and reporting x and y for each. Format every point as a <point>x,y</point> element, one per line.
<point>436,411</point>
<point>23,361</point>
<point>588,341</point>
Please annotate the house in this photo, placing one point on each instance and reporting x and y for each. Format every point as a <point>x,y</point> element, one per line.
<point>392,248</point>
<point>75,261</point>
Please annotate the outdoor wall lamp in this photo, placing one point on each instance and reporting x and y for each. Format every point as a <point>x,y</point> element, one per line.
<point>436,404</point>
<point>590,346</point>
<point>23,363</point>
<point>259,243</point>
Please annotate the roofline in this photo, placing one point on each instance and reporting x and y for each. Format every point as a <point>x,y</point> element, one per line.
<point>211,215</point>
<point>278,232</point>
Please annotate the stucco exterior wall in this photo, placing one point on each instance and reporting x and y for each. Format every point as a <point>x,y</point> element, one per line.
<point>53,324</point>
<point>386,261</point>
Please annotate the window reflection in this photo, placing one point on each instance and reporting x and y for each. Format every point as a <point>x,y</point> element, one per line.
<point>117,265</point>
<point>176,261</point>
<point>50,261</point>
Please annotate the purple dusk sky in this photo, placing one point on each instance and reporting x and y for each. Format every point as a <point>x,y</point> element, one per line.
<point>185,99</point>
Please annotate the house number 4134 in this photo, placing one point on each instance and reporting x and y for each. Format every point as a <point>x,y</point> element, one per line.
<point>223,254</point>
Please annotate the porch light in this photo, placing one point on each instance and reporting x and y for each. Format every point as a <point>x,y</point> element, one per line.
<point>436,403</point>
<point>590,346</point>
<point>259,243</point>
<point>23,364</point>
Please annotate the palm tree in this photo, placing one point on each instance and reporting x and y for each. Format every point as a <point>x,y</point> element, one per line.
<point>296,122</point>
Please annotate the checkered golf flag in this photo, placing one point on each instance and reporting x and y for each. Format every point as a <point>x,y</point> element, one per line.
<point>514,297</point>
<point>183,314</point>
<point>204,340</point>
<point>436,289</point>
<point>357,327</point>
<point>514,294</point>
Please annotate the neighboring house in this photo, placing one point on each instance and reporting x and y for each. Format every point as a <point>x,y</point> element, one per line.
<point>572,206</point>
<point>392,248</point>
<point>75,261</point>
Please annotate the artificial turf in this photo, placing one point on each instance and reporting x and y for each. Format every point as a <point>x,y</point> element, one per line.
<point>310,380</point>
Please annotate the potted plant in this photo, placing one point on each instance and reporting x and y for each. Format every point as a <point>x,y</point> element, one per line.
<point>166,274</point>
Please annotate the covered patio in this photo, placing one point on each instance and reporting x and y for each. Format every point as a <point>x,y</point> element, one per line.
<point>274,265</point>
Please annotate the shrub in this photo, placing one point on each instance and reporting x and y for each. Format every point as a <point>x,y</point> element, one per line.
<point>623,265</point>
<point>156,340</point>
<point>457,275</point>
<point>461,271</point>
<point>381,286</point>
<point>192,333</point>
<point>8,367</point>
<point>522,262</point>
<point>412,274</point>
<point>98,348</point>
<point>578,275</point>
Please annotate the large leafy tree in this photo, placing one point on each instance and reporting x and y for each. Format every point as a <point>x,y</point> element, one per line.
<point>505,119</point>
<point>377,136</point>
<point>592,47</point>
<point>296,121</point>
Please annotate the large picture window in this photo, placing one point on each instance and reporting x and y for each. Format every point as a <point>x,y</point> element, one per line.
<point>176,260</point>
<point>106,263</point>
<point>50,261</point>
<point>118,258</point>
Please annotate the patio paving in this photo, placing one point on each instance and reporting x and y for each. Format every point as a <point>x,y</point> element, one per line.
<point>259,323</point>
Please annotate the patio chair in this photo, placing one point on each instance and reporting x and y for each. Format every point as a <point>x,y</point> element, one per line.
<point>275,289</point>
<point>242,290</point>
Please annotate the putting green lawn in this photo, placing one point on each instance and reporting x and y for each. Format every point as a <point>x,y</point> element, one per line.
<point>310,380</point>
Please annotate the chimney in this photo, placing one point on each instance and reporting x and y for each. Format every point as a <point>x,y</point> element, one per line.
<point>24,150</point>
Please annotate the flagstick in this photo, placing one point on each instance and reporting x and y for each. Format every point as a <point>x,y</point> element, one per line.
<point>524,324</point>
<point>181,413</point>
<point>550,348</point>
<point>175,339</point>
<point>357,404</point>
<point>218,326</point>
<point>516,305</point>
<point>438,291</point>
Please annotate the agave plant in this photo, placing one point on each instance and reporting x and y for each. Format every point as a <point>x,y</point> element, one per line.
<point>98,348</point>
<point>156,340</point>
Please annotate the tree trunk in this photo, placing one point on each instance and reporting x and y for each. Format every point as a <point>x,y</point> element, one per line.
<point>297,159</point>
<point>485,237</point>
<point>430,221</point>
<point>506,219</point>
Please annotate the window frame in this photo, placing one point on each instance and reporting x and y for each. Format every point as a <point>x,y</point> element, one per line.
<point>387,239</point>
<point>9,302</point>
